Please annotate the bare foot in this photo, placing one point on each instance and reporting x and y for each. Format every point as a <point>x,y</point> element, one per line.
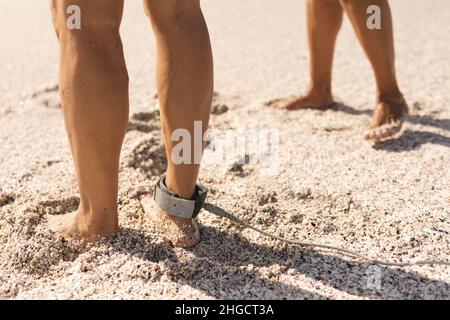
<point>310,101</point>
<point>183,233</point>
<point>388,119</point>
<point>79,226</point>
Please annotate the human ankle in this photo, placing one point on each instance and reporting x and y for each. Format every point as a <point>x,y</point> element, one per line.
<point>184,192</point>
<point>393,95</point>
<point>320,91</point>
<point>98,220</point>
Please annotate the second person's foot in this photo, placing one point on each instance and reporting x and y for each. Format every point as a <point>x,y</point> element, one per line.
<point>388,119</point>
<point>312,100</point>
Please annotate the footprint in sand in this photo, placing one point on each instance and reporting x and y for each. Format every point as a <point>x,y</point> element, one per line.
<point>149,157</point>
<point>239,168</point>
<point>31,247</point>
<point>48,97</point>
<point>144,122</point>
<point>219,109</point>
<point>6,199</point>
<point>57,207</point>
<point>220,104</point>
<point>38,170</point>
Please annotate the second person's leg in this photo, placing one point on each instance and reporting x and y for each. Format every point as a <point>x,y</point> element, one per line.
<point>324,22</point>
<point>379,47</point>
<point>185,87</point>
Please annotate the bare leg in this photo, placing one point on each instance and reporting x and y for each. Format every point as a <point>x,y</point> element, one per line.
<point>379,47</point>
<point>185,87</point>
<point>324,22</point>
<point>94,91</point>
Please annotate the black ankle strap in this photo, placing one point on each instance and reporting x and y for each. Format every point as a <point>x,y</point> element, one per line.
<point>171,203</point>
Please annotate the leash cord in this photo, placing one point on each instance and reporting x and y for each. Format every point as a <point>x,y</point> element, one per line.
<point>224,214</point>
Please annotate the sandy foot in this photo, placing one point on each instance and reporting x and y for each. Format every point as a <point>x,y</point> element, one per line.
<point>310,101</point>
<point>74,226</point>
<point>388,119</point>
<point>179,232</point>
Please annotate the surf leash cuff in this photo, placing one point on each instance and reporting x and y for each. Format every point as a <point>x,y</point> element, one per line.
<point>174,205</point>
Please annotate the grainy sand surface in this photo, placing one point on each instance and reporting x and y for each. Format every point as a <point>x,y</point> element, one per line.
<point>389,200</point>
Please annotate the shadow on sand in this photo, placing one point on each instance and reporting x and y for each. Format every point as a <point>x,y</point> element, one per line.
<point>410,139</point>
<point>219,268</point>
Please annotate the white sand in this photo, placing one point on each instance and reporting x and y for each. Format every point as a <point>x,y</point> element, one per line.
<point>390,200</point>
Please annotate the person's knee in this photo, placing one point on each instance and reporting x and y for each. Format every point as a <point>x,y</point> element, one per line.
<point>172,14</point>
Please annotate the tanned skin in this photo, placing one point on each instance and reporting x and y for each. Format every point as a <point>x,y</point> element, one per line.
<point>324,22</point>
<point>94,90</point>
